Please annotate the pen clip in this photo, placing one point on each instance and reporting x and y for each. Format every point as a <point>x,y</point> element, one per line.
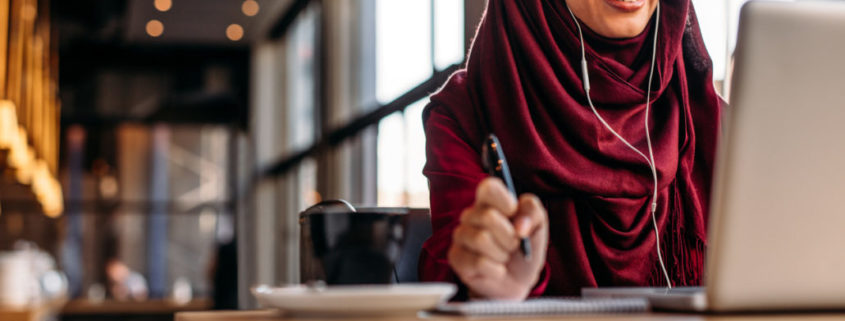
<point>493,160</point>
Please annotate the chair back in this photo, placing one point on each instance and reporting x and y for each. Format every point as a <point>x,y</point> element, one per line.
<point>417,231</point>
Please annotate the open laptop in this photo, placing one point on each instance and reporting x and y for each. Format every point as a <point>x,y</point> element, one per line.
<point>777,229</point>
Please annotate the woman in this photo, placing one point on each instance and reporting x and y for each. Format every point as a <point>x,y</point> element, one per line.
<point>586,196</point>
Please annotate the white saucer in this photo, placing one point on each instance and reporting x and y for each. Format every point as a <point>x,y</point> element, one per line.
<point>355,300</point>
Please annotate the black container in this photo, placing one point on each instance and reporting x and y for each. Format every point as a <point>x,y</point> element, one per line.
<point>341,246</point>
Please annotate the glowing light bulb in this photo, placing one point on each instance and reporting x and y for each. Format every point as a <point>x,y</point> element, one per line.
<point>155,28</point>
<point>8,124</point>
<point>250,8</point>
<point>162,5</point>
<point>234,32</point>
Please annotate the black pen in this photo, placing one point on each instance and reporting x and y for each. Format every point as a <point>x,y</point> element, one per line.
<point>493,159</point>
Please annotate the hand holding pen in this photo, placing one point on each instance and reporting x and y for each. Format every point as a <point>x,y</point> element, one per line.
<point>493,160</point>
<point>487,252</point>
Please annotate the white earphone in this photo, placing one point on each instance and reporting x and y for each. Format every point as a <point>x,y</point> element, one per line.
<point>650,158</point>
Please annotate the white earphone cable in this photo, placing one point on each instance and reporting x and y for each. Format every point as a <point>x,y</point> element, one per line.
<point>650,158</point>
<point>651,151</point>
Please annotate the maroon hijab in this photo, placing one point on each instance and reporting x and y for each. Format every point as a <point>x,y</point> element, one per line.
<point>523,83</point>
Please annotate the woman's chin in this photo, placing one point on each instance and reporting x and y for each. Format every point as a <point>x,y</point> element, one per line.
<point>624,18</point>
<point>625,25</point>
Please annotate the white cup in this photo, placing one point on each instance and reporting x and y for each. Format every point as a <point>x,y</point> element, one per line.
<point>15,280</point>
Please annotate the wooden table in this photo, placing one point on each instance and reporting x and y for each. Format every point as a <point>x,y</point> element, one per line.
<point>271,315</point>
<point>22,314</point>
<point>126,310</point>
<point>86,307</point>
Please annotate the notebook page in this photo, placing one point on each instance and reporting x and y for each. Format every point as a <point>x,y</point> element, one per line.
<point>546,306</point>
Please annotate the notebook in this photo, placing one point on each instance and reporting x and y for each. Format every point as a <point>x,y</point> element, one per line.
<point>546,306</point>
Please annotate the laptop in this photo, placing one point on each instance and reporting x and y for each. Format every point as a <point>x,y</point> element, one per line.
<point>777,229</point>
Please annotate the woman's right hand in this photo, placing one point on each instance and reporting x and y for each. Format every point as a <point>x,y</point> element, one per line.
<point>485,251</point>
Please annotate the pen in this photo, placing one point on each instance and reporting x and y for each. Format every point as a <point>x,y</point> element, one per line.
<point>493,159</point>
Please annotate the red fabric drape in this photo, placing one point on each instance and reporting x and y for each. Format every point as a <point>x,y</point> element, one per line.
<point>523,83</point>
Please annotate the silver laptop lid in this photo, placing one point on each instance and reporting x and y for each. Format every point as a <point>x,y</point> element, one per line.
<point>777,230</point>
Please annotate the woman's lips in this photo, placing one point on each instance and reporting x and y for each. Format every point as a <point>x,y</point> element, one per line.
<point>626,5</point>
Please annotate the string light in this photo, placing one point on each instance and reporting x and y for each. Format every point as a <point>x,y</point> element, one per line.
<point>234,32</point>
<point>155,28</point>
<point>29,12</point>
<point>29,170</point>
<point>250,8</point>
<point>162,5</point>
<point>47,190</point>
<point>8,124</point>
<point>30,143</point>
<point>19,155</point>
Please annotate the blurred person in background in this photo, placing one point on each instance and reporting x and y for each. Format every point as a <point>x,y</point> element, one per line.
<point>587,195</point>
<point>123,283</point>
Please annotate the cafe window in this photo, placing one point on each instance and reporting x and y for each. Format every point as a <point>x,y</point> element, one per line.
<point>300,71</point>
<point>301,123</point>
<point>719,21</point>
<point>161,189</point>
<point>413,39</point>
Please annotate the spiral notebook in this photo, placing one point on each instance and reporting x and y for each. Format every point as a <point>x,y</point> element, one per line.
<point>546,306</point>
